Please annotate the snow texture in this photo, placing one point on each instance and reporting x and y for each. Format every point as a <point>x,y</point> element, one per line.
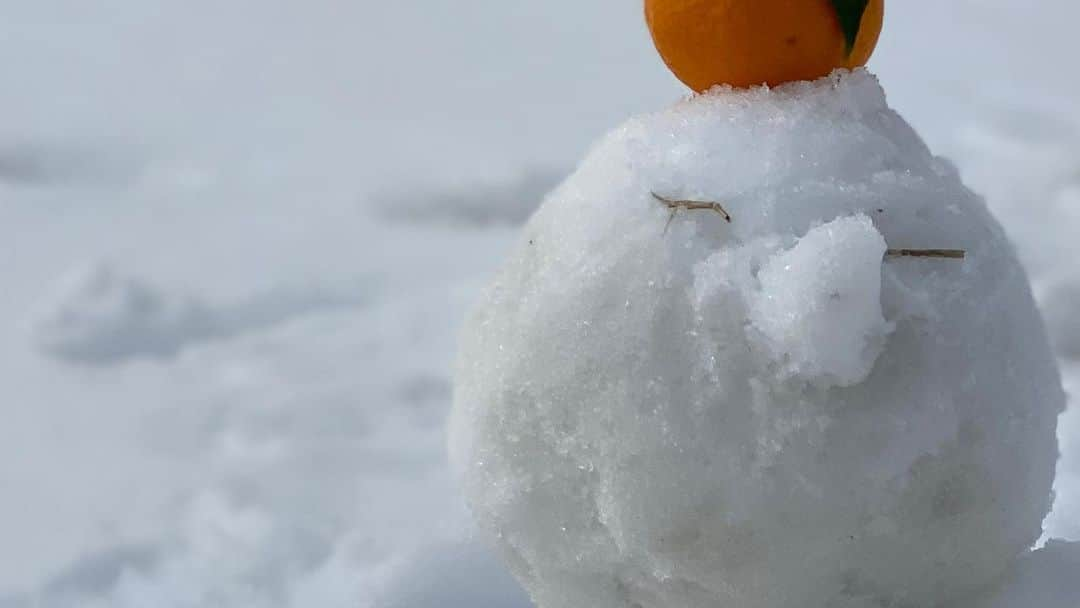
<point>818,309</point>
<point>1043,579</point>
<point>98,316</point>
<point>764,413</point>
<point>1060,306</point>
<point>446,574</point>
<point>472,205</point>
<point>268,156</point>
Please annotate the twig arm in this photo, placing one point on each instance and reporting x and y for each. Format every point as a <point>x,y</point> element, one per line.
<point>677,204</point>
<point>947,254</point>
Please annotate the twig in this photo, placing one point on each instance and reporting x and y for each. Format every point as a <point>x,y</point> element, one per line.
<point>678,204</point>
<point>675,205</point>
<point>948,254</point>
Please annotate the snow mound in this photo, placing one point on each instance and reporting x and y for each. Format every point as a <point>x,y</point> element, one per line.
<point>101,316</point>
<point>661,409</point>
<point>98,315</point>
<point>44,162</point>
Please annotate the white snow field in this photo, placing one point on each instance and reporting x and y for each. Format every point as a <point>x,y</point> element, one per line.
<point>680,412</point>
<point>238,240</point>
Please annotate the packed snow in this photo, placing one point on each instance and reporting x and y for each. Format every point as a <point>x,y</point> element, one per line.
<point>817,310</point>
<point>350,174</point>
<point>659,417</point>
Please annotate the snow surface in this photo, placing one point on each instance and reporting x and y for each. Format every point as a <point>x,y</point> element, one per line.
<point>284,156</point>
<point>678,416</point>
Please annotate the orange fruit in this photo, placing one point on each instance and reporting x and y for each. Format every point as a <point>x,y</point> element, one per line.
<point>751,42</point>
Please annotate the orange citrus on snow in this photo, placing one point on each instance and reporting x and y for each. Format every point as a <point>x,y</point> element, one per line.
<point>751,42</point>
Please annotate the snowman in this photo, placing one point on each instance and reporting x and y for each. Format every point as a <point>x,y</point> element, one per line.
<point>762,349</point>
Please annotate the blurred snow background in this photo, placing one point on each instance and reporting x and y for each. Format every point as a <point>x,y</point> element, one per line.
<point>237,238</point>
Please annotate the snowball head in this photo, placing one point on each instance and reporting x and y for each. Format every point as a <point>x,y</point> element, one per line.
<point>657,408</point>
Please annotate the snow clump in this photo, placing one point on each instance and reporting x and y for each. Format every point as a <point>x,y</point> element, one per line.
<point>819,304</point>
<point>657,408</point>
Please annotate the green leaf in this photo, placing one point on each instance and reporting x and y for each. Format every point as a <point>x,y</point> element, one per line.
<point>850,13</point>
